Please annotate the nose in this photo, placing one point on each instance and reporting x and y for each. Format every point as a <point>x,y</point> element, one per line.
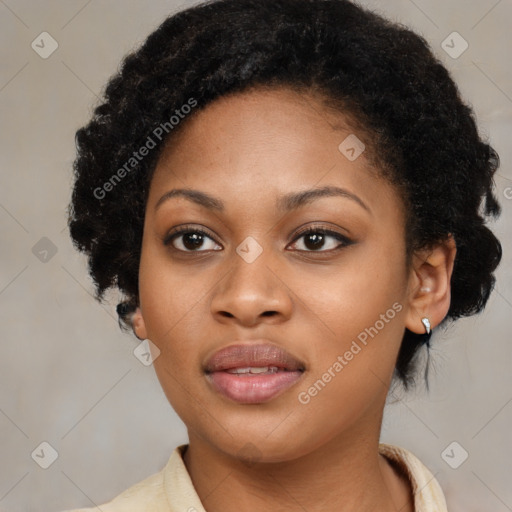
<point>251,293</point>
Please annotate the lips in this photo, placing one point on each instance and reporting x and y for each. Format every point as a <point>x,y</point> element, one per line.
<point>253,373</point>
<point>253,355</point>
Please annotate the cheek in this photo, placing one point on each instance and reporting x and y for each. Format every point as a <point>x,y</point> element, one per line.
<point>351,369</point>
<point>173,299</point>
<point>167,293</point>
<point>171,302</point>
<point>365,286</point>
<point>362,320</point>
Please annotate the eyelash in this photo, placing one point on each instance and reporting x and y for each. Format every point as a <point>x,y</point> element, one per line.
<point>344,241</point>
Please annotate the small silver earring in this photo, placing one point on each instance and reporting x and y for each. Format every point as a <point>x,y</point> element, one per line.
<point>426,322</point>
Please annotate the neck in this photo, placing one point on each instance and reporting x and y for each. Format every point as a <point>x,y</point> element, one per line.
<point>345,474</point>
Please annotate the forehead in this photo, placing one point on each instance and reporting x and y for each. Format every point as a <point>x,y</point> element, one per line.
<point>264,143</point>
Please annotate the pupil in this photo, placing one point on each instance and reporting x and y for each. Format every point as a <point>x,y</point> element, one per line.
<point>192,240</point>
<point>316,239</point>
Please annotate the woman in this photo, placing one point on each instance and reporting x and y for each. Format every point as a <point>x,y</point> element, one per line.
<point>292,195</point>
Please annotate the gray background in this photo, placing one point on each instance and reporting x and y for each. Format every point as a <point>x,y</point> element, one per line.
<point>68,375</point>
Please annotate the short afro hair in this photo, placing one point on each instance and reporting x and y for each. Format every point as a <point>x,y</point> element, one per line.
<point>380,72</point>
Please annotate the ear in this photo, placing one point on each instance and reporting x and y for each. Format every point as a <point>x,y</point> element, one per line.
<point>138,324</point>
<point>429,285</point>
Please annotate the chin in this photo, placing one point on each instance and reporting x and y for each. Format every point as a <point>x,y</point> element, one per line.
<point>252,451</point>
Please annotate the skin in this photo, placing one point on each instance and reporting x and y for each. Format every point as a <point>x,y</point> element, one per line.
<point>248,150</point>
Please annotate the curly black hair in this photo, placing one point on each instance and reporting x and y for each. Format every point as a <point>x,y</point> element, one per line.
<point>380,72</point>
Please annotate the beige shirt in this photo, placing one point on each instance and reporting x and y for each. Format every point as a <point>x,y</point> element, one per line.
<point>171,490</point>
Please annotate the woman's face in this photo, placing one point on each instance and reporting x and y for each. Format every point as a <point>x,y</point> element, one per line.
<point>319,317</point>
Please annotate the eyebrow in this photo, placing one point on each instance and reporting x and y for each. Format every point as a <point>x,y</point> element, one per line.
<point>287,202</point>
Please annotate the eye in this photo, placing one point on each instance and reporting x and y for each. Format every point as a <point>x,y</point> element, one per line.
<point>193,239</point>
<point>317,238</point>
<point>190,239</point>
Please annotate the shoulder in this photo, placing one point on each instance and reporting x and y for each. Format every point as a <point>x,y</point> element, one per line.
<point>145,495</point>
<point>428,495</point>
<point>148,495</point>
